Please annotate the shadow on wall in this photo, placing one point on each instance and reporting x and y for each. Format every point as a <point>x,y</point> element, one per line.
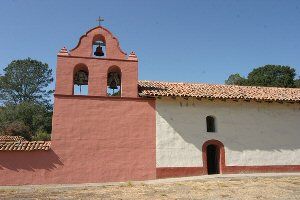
<point>239,127</point>
<point>31,161</point>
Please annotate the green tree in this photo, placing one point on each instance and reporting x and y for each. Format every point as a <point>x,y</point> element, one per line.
<point>297,83</point>
<point>27,119</point>
<point>273,76</point>
<point>25,81</point>
<point>41,135</point>
<point>24,94</point>
<point>269,76</point>
<point>235,79</point>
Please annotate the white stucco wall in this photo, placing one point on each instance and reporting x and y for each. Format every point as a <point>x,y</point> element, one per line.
<point>254,134</point>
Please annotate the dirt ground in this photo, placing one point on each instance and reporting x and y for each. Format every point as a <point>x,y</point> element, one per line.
<point>286,188</point>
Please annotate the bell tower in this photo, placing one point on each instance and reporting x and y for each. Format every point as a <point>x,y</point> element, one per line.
<point>106,130</point>
<point>100,124</point>
<point>98,66</point>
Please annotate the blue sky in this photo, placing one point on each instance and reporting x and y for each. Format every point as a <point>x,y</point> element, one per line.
<point>192,41</point>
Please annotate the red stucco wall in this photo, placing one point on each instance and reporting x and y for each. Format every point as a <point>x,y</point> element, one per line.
<point>94,139</point>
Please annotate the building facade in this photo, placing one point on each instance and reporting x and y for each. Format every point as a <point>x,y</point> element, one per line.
<point>118,128</point>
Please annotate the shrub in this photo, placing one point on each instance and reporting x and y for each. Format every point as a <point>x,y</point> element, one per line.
<point>42,136</point>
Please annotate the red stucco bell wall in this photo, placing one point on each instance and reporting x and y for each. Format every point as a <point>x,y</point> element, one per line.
<point>97,68</point>
<point>94,139</point>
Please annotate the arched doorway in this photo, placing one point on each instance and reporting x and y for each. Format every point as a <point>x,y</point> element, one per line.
<point>213,156</point>
<point>213,159</point>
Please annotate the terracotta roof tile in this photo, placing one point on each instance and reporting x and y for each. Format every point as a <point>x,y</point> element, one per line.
<point>8,138</point>
<point>158,88</point>
<point>25,146</point>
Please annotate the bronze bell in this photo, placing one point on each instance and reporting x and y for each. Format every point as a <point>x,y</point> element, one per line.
<point>99,51</point>
<point>113,80</point>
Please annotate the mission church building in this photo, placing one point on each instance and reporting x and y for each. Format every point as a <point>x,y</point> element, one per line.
<point>109,126</point>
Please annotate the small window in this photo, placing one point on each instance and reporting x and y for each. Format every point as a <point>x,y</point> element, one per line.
<point>210,124</point>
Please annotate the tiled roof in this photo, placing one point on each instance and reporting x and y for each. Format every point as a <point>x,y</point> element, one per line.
<point>9,138</point>
<point>157,88</point>
<point>25,146</point>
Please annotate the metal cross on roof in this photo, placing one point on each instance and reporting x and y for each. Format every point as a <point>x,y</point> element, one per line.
<point>100,20</point>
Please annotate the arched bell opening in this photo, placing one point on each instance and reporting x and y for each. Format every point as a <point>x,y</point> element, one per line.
<point>114,82</point>
<point>99,46</point>
<point>80,80</point>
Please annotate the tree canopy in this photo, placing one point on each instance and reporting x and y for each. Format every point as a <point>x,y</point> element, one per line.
<point>24,93</point>
<point>235,79</point>
<point>268,75</point>
<point>297,83</point>
<point>26,119</point>
<point>25,81</point>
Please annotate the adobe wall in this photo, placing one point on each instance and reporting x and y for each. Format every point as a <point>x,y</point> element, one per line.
<point>94,139</point>
<point>257,137</point>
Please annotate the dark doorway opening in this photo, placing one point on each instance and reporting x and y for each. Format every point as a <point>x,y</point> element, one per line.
<point>212,155</point>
